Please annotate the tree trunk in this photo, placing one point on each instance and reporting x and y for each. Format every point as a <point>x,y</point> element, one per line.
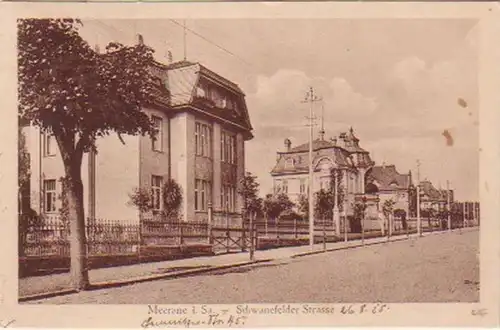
<point>78,239</point>
<point>76,218</point>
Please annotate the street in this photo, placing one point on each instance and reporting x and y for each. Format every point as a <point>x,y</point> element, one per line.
<point>435,268</point>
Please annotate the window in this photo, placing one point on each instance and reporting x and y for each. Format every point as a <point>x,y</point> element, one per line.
<point>49,144</point>
<point>302,188</point>
<point>157,140</point>
<point>49,195</point>
<point>156,185</point>
<point>228,148</point>
<point>203,140</point>
<point>284,187</point>
<point>202,194</point>
<point>228,198</point>
<point>290,163</point>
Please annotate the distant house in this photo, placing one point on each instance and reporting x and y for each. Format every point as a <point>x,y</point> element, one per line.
<point>203,123</point>
<point>388,183</point>
<point>433,198</point>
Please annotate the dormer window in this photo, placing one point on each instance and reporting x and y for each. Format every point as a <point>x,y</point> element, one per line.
<point>290,163</point>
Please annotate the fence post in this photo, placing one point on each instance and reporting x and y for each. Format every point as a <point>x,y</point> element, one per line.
<point>252,246</point>
<point>265,217</point>
<point>209,224</point>
<point>324,235</point>
<point>277,230</point>
<point>345,227</point>
<point>181,232</point>
<point>141,239</point>
<point>243,231</point>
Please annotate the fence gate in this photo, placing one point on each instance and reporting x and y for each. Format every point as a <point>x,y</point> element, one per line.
<point>227,239</point>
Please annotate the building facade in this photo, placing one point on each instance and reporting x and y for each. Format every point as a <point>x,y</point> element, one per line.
<point>342,153</point>
<point>202,122</point>
<point>386,182</point>
<point>434,198</point>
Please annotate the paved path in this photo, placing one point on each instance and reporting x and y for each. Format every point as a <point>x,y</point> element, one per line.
<point>434,268</point>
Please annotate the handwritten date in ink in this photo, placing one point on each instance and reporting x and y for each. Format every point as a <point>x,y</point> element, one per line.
<point>364,308</point>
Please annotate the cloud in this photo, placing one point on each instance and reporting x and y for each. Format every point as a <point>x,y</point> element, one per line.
<point>282,96</point>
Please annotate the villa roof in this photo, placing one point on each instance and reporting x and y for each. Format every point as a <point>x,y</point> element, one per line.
<point>317,144</point>
<point>433,193</point>
<point>386,177</point>
<point>297,160</point>
<point>181,80</point>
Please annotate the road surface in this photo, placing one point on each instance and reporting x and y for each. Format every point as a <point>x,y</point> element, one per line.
<point>436,268</point>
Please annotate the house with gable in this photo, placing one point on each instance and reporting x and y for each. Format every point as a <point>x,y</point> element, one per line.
<point>343,153</point>
<point>203,124</point>
<point>434,198</point>
<point>389,184</point>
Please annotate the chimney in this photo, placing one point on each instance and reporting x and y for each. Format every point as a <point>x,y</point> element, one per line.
<point>334,140</point>
<point>97,49</point>
<point>288,144</point>
<point>140,39</point>
<point>322,134</point>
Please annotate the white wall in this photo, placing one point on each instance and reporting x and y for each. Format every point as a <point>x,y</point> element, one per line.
<point>179,158</point>
<point>117,174</point>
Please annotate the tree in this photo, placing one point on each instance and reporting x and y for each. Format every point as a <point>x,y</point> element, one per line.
<point>359,208</point>
<point>24,172</point>
<point>387,210</point>
<point>249,191</point>
<point>412,201</point>
<point>27,217</point>
<point>323,204</point>
<point>141,199</point>
<point>275,205</point>
<point>172,198</point>
<point>78,95</point>
<point>337,187</point>
<point>401,214</point>
<point>303,206</point>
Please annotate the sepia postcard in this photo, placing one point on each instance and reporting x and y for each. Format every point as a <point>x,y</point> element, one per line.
<point>249,165</point>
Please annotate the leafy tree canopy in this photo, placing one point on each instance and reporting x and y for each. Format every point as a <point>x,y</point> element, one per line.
<point>249,190</point>
<point>69,89</point>
<point>275,205</point>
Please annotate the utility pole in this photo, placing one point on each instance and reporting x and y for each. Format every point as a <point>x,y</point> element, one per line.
<point>185,40</point>
<point>449,205</point>
<point>311,98</point>
<point>419,223</point>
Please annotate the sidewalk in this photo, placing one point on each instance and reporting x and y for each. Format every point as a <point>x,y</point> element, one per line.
<point>31,287</point>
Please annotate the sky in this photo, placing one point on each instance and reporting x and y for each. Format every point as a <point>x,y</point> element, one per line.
<point>405,85</point>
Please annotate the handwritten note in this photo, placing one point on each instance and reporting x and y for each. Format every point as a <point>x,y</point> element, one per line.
<point>239,315</point>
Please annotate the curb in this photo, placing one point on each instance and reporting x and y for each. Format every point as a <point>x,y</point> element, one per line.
<point>395,239</point>
<point>303,254</point>
<point>119,283</point>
